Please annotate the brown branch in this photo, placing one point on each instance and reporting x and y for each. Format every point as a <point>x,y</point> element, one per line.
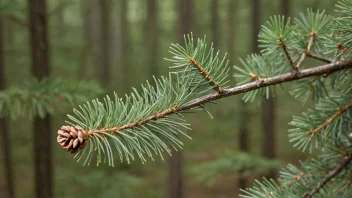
<point>331,175</point>
<point>303,56</point>
<point>283,45</point>
<point>316,71</point>
<point>134,124</point>
<point>309,47</point>
<point>319,58</point>
<point>331,119</point>
<point>206,75</point>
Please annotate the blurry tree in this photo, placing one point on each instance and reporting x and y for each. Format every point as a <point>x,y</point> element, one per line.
<point>41,126</point>
<point>285,8</point>
<point>244,120</point>
<point>152,35</point>
<point>268,104</point>
<point>60,13</point>
<point>175,180</point>
<point>214,11</point>
<point>243,129</point>
<point>105,46</point>
<point>231,6</point>
<point>4,129</point>
<point>119,44</point>
<point>244,114</point>
<point>92,39</point>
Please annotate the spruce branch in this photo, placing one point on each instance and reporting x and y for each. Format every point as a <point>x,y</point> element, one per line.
<point>330,120</point>
<point>328,177</point>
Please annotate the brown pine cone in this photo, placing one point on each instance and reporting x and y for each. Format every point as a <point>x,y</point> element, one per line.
<point>72,138</point>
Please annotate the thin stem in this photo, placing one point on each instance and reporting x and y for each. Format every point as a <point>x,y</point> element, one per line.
<point>310,42</point>
<point>331,175</point>
<point>316,71</point>
<point>319,58</point>
<point>304,55</point>
<point>330,120</point>
<point>206,75</point>
<point>309,47</point>
<point>156,116</point>
<point>283,45</point>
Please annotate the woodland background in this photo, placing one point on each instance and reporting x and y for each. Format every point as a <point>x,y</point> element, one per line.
<point>122,43</point>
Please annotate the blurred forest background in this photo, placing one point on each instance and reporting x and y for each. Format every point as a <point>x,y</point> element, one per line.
<point>120,44</point>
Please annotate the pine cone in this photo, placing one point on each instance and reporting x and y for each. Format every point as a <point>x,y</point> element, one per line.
<point>72,138</point>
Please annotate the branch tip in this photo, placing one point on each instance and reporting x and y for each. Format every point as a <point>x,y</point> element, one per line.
<point>207,76</point>
<point>340,111</point>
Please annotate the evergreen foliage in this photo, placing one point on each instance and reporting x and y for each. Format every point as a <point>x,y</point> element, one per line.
<point>244,164</point>
<point>45,97</point>
<point>149,121</point>
<point>118,184</point>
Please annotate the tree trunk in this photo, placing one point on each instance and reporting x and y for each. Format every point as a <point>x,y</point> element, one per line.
<point>268,118</point>
<point>41,127</point>
<point>185,22</point>
<point>119,48</point>
<point>4,130</point>
<point>269,135</point>
<point>92,39</point>
<point>232,5</point>
<point>175,175</point>
<point>285,8</point>
<point>125,44</point>
<point>255,25</point>
<point>117,52</point>
<point>152,36</point>
<point>244,138</point>
<point>244,132</point>
<point>186,18</point>
<point>214,22</point>
<point>60,30</point>
<point>105,44</point>
<point>8,32</point>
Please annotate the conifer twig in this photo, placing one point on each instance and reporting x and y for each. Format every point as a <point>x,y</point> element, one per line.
<point>260,83</point>
<point>310,42</point>
<point>316,71</point>
<point>331,175</point>
<point>309,47</point>
<point>131,125</point>
<point>206,75</point>
<point>330,120</point>
<point>283,45</point>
